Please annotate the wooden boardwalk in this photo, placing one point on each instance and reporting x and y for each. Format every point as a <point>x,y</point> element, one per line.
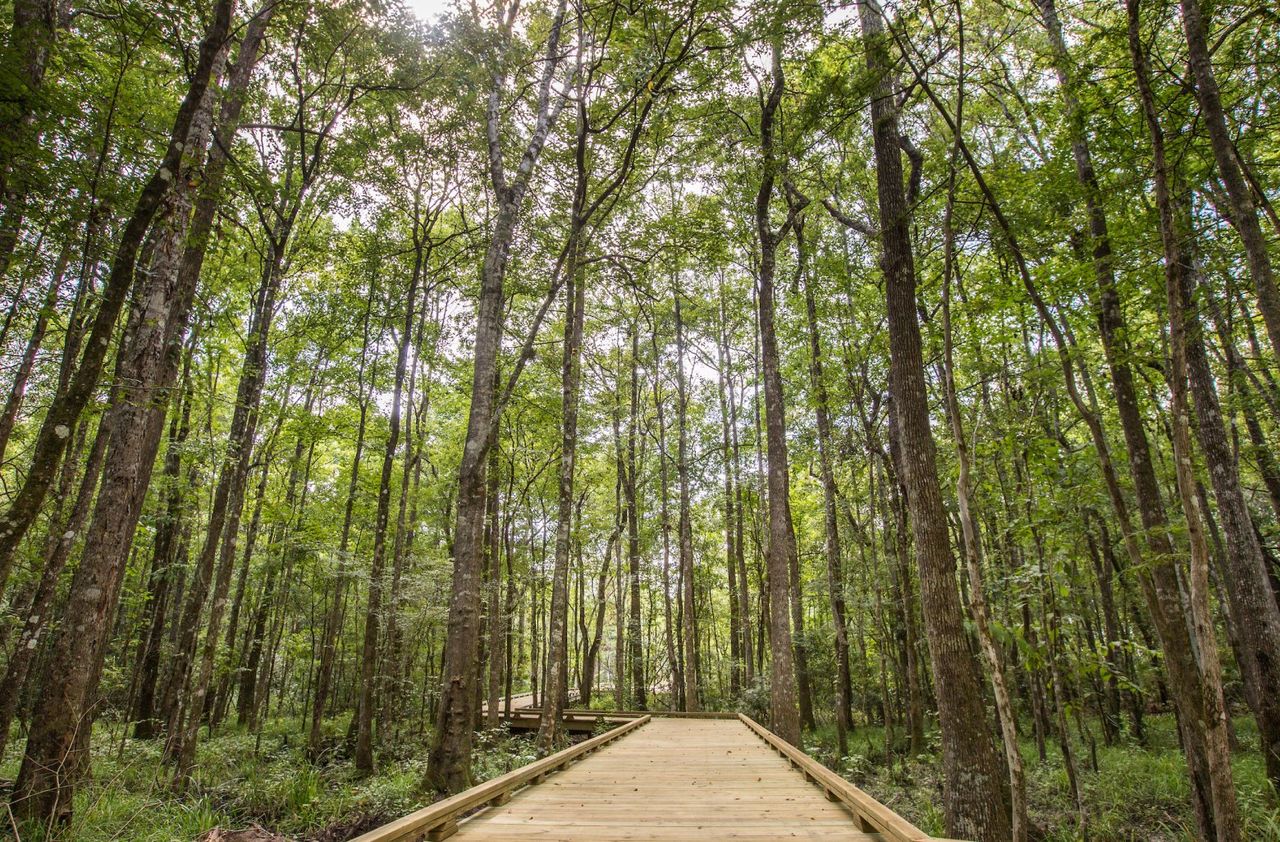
<point>664,779</point>
<point>673,779</point>
<point>518,701</point>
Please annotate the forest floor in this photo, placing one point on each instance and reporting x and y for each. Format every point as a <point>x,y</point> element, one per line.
<point>1138,792</point>
<point>243,779</point>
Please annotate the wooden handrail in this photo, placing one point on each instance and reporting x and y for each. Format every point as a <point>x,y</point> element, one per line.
<point>673,714</point>
<point>440,820</point>
<point>871,814</point>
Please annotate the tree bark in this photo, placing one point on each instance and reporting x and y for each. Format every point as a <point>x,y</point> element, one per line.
<point>448,768</point>
<point>36,617</point>
<point>163,567</point>
<point>549,734</point>
<point>635,630</point>
<point>374,606</point>
<point>974,802</point>
<point>784,717</point>
<point>146,367</point>
<point>18,386</point>
<point>64,411</point>
<point>1250,598</point>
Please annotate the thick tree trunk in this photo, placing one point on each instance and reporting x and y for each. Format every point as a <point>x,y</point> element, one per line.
<point>202,222</point>
<point>974,800</point>
<point>449,765</point>
<point>64,411</point>
<point>1249,589</point>
<point>1193,678</point>
<point>784,717</point>
<point>146,368</point>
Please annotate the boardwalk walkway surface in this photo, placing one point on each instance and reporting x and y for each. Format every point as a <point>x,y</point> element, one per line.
<point>522,700</point>
<point>662,778</point>
<point>674,779</point>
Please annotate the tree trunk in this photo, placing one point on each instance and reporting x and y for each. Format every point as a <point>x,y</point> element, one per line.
<point>831,545</point>
<point>333,615</point>
<point>18,386</point>
<point>1184,328</point>
<point>36,619</point>
<point>974,802</point>
<point>374,608</point>
<point>64,411</point>
<point>549,729</point>
<point>146,368</point>
<point>637,699</point>
<point>32,38</point>
<point>675,682</point>
<point>1249,593</point>
<point>736,618</point>
<point>163,567</point>
<point>449,765</point>
<point>784,718</point>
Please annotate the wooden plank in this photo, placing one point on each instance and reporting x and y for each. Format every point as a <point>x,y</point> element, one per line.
<point>675,833</point>
<point>444,813</point>
<point>679,779</point>
<point>892,826</point>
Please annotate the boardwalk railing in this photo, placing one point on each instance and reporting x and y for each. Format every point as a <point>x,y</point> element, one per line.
<point>872,816</point>
<point>624,714</point>
<point>440,820</point>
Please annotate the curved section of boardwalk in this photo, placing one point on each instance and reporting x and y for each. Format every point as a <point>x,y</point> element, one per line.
<point>673,779</point>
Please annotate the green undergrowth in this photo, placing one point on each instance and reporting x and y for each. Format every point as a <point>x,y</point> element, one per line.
<point>1138,794</point>
<point>244,778</point>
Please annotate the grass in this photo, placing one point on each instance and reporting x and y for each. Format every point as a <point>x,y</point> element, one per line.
<point>1138,792</point>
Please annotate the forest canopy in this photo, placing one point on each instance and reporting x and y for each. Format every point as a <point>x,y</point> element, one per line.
<point>903,375</point>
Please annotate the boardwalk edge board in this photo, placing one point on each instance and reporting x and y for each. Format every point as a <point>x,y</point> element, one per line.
<point>440,820</point>
<point>871,815</point>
